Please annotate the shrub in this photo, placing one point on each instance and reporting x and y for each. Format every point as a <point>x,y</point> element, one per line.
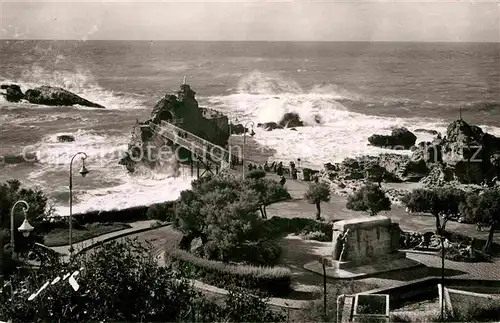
<point>370,198</point>
<point>265,252</point>
<point>301,226</point>
<point>314,235</point>
<point>316,193</point>
<point>273,280</point>
<point>161,212</point>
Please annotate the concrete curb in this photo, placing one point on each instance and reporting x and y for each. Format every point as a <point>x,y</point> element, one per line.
<point>274,301</point>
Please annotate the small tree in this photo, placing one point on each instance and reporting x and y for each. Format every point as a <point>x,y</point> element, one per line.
<point>488,211</point>
<point>316,193</point>
<point>222,213</point>
<point>376,173</point>
<point>443,202</point>
<point>369,198</point>
<point>268,192</point>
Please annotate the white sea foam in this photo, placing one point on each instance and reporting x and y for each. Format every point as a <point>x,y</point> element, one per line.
<point>80,82</point>
<point>339,134</point>
<point>101,149</point>
<point>135,192</point>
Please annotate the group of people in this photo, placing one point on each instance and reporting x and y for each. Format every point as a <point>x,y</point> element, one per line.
<point>275,168</point>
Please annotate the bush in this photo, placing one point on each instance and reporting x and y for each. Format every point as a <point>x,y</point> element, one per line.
<point>370,198</point>
<point>161,212</point>
<point>273,280</point>
<point>300,226</point>
<point>266,252</point>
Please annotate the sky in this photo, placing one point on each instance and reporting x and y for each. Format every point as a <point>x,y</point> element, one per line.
<point>293,20</point>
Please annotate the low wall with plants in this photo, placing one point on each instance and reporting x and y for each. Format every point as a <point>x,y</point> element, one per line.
<point>272,280</point>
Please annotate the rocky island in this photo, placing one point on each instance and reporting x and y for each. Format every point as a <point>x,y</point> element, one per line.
<point>45,95</point>
<point>183,111</point>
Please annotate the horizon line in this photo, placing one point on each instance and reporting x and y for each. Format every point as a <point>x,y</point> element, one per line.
<point>258,41</point>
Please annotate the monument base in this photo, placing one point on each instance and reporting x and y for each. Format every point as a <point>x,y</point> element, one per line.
<point>350,270</point>
<point>364,261</point>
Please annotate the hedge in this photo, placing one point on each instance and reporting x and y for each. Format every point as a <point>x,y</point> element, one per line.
<point>136,213</point>
<point>272,280</point>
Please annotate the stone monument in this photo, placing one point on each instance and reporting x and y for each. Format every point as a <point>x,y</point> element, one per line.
<point>362,247</point>
<point>364,241</point>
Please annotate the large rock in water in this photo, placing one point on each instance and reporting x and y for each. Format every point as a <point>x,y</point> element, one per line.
<point>400,138</point>
<point>269,126</point>
<point>49,95</point>
<point>291,120</point>
<point>13,92</point>
<point>182,110</point>
<point>65,138</point>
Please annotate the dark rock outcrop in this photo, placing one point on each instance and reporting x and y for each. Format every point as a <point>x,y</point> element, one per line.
<point>183,111</point>
<point>238,129</point>
<point>291,120</point>
<point>49,95</point>
<point>387,167</point>
<point>429,131</point>
<point>65,138</point>
<point>400,138</point>
<point>269,126</point>
<point>465,154</point>
<point>13,92</point>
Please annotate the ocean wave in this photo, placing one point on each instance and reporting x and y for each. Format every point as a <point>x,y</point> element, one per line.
<point>81,82</point>
<point>264,97</point>
<point>101,148</point>
<point>143,191</point>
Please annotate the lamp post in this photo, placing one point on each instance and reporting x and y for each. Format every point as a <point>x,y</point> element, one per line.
<point>25,229</point>
<point>244,143</point>
<point>83,171</point>
<point>441,231</point>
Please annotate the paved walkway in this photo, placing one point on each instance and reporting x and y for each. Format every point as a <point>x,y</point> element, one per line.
<point>135,226</point>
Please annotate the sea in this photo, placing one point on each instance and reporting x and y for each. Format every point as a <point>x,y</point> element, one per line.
<point>354,90</point>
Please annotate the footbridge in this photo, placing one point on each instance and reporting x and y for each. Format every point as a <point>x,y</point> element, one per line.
<point>204,153</point>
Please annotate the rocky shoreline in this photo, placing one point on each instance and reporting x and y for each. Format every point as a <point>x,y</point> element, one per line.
<point>465,156</point>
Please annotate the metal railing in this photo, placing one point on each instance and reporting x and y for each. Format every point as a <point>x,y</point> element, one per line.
<point>197,145</point>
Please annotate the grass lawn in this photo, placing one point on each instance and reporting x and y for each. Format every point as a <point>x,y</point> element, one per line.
<point>60,237</point>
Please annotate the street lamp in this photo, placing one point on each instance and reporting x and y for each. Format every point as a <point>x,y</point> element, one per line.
<point>244,143</point>
<point>25,229</point>
<point>441,231</point>
<point>83,171</point>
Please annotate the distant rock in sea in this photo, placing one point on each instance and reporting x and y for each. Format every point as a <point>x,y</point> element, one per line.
<point>45,95</point>
<point>49,95</point>
<point>291,120</point>
<point>65,138</point>
<point>13,92</point>
<point>268,126</point>
<point>429,131</point>
<point>400,138</point>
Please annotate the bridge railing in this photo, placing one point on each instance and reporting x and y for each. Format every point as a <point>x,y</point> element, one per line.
<point>197,145</point>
